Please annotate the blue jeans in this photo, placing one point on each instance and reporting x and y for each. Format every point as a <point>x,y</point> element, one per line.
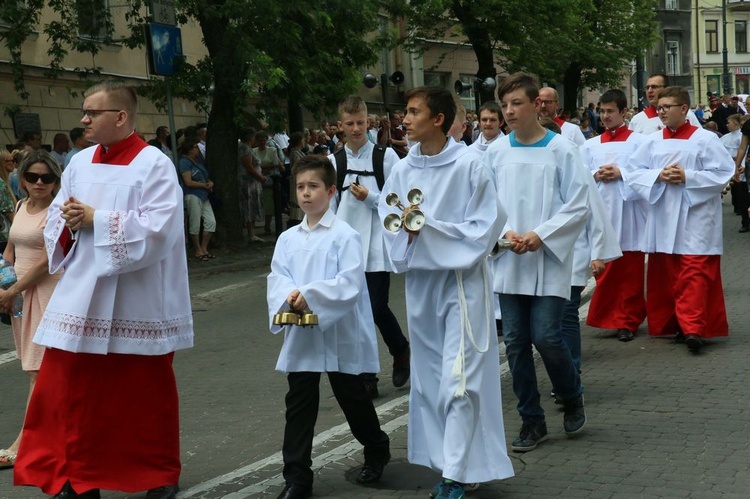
<point>536,320</point>
<point>571,325</point>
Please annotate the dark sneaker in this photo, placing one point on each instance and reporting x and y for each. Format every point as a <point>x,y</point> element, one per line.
<point>625,335</point>
<point>401,368</point>
<point>693,342</point>
<point>575,416</point>
<point>529,437</point>
<point>448,489</point>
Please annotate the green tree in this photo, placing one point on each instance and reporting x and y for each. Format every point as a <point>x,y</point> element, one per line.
<point>578,43</point>
<point>268,53</point>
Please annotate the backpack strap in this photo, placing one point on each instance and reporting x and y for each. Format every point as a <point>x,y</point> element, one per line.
<point>378,159</point>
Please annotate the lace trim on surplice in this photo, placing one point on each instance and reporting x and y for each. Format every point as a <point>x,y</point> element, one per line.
<point>75,325</point>
<point>52,243</point>
<point>118,251</point>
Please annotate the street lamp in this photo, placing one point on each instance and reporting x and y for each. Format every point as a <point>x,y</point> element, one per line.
<point>724,54</point>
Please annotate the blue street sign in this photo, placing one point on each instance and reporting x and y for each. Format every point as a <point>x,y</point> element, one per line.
<point>165,43</point>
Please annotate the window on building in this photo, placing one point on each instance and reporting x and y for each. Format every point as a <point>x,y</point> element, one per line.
<point>93,18</point>
<point>673,58</point>
<point>12,11</point>
<point>435,79</point>
<point>671,4</point>
<point>467,98</point>
<point>740,37</point>
<point>712,36</point>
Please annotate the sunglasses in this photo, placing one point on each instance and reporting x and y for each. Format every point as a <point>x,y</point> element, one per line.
<point>33,178</point>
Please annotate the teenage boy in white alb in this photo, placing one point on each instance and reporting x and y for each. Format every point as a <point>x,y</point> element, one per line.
<point>681,172</point>
<point>490,121</point>
<point>619,300</point>
<point>455,409</point>
<point>534,279</point>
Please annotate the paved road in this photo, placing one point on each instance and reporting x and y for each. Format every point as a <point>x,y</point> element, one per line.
<point>662,422</point>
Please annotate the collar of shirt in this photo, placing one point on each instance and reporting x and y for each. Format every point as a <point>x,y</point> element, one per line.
<point>326,221</point>
<point>619,134</point>
<point>361,151</point>
<point>651,112</point>
<point>122,153</point>
<point>683,132</point>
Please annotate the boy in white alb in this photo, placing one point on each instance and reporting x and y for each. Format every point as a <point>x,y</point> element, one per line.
<point>455,409</point>
<point>681,172</point>
<point>534,279</point>
<point>619,301</point>
<point>317,265</point>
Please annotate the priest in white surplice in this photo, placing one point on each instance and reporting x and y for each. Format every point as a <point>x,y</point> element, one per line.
<point>104,413</point>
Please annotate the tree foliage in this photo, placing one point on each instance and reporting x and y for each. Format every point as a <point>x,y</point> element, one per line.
<point>262,54</point>
<point>579,43</point>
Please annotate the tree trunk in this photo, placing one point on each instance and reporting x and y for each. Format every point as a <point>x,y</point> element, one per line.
<point>221,142</point>
<point>482,45</point>
<point>572,84</point>
<point>294,112</point>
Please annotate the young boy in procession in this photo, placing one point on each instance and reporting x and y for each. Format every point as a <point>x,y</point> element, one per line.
<point>681,172</point>
<point>317,265</point>
<point>543,187</point>
<point>618,301</point>
<point>362,169</point>
<point>455,410</point>
<point>740,196</point>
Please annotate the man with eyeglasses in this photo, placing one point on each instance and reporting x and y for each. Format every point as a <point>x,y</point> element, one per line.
<point>549,104</point>
<point>104,412</point>
<point>681,172</point>
<point>648,121</point>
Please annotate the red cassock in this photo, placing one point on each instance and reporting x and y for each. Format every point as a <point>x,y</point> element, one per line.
<point>115,424</point>
<point>684,292</point>
<point>618,301</point>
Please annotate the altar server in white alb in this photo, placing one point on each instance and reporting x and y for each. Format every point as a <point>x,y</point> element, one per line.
<point>648,120</point>
<point>318,266</point>
<point>490,122</point>
<point>361,169</point>
<point>455,411</point>
<point>104,413</point>
<point>619,300</point>
<point>544,187</point>
<point>681,172</point>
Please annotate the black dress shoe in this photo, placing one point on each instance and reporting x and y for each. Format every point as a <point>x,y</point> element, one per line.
<point>625,335</point>
<point>67,492</point>
<point>744,229</point>
<point>693,342</point>
<point>401,368</point>
<point>295,491</point>
<point>163,492</point>
<point>371,472</point>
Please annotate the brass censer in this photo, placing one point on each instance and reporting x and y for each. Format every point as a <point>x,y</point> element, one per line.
<point>411,218</point>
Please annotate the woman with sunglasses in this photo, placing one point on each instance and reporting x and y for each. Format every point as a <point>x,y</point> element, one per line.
<point>40,180</point>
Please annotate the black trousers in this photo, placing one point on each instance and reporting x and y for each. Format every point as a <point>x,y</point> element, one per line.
<point>742,197</point>
<point>379,286</point>
<point>302,412</point>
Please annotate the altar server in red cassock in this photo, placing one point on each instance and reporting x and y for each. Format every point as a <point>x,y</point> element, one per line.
<point>681,172</point>
<point>104,412</point>
<point>619,298</point>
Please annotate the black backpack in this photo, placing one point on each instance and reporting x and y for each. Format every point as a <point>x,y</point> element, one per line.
<point>378,158</point>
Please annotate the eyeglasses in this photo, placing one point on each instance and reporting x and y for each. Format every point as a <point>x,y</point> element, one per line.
<point>653,87</point>
<point>546,102</point>
<point>33,178</point>
<point>666,107</point>
<point>93,113</point>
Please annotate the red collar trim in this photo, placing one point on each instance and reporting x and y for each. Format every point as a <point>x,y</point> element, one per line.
<point>559,121</point>
<point>651,112</point>
<point>683,132</point>
<point>122,153</point>
<point>619,134</point>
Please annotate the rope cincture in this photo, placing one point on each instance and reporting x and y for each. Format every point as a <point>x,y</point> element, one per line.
<point>459,365</point>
